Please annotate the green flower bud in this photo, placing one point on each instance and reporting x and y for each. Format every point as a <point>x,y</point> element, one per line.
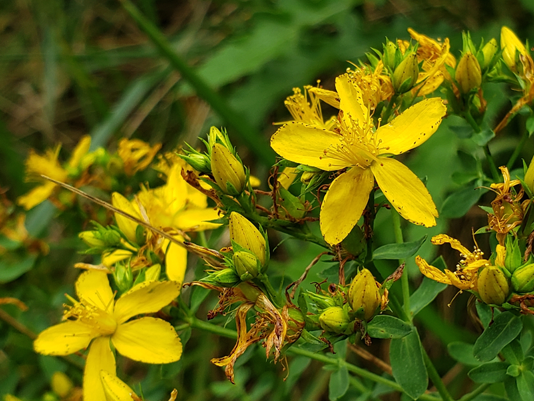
<point>489,50</point>
<point>364,293</point>
<point>468,73</point>
<point>246,265</point>
<point>92,239</point>
<point>493,286</point>
<point>406,74</point>
<point>388,58</point>
<point>334,320</point>
<point>123,277</point>
<point>153,272</point>
<point>307,176</point>
<point>228,172</point>
<point>222,278</point>
<point>198,161</point>
<point>523,279</point>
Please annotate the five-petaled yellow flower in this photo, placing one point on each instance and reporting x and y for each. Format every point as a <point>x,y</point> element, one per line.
<point>357,145</point>
<point>98,320</point>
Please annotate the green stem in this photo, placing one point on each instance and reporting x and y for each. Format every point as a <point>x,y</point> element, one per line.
<point>389,108</point>
<point>405,283</point>
<point>479,390</point>
<point>246,132</point>
<point>273,294</point>
<point>436,379</point>
<point>517,150</point>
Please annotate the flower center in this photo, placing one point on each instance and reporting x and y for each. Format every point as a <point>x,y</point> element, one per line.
<point>90,315</point>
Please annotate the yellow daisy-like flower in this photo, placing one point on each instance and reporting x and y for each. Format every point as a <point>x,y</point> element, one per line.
<point>97,319</point>
<point>466,273</point>
<point>365,150</point>
<point>136,154</point>
<point>48,164</point>
<point>173,206</point>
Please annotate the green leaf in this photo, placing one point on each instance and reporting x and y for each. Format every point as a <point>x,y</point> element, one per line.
<point>13,268</point>
<point>458,203</point>
<point>406,356</point>
<point>339,383</point>
<point>494,372</point>
<point>525,385</point>
<point>490,397</point>
<point>530,125</point>
<point>513,370</point>
<point>485,313</point>
<point>398,251</point>
<point>513,353</point>
<point>505,328</point>
<point>428,290</point>
<point>385,326</point>
<point>482,138</point>
<point>462,352</point>
<point>510,386</point>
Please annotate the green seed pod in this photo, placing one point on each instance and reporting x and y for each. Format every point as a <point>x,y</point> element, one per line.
<point>223,278</point>
<point>493,286</point>
<point>523,279</point>
<point>364,293</point>
<point>334,320</point>
<point>246,265</point>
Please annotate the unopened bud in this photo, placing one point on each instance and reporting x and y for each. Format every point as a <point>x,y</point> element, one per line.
<point>523,279</point>
<point>406,74</point>
<point>334,320</point>
<point>493,286</point>
<point>92,239</point>
<point>251,292</point>
<point>123,277</point>
<point>529,176</point>
<point>364,293</point>
<point>153,273</point>
<point>228,172</point>
<point>388,58</point>
<point>489,50</point>
<point>468,73</point>
<point>246,235</point>
<point>246,265</point>
<point>307,176</point>
<point>511,48</point>
<point>198,161</point>
<point>61,384</point>
<point>223,278</point>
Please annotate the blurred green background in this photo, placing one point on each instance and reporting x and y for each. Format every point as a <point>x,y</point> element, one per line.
<point>70,68</point>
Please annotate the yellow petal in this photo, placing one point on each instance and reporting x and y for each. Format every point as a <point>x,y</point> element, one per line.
<point>64,338</point>
<point>176,261</point>
<point>100,358</point>
<point>114,388</point>
<point>176,188</point>
<point>344,203</point>
<point>79,151</point>
<point>351,100</point>
<point>148,340</point>
<point>307,145</point>
<point>37,195</point>
<point>286,177</point>
<point>412,128</point>
<point>110,258</point>
<point>127,226</point>
<point>432,272</point>
<point>327,96</point>
<point>196,219</point>
<point>146,297</point>
<point>93,286</point>
<point>405,191</point>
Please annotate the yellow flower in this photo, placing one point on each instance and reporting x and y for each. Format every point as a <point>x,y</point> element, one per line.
<point>136,154</point>
<point>174,207</point>
<point>306,108</point>
<point>434,56</point>
<point>365,150</point>
<point>374,85</point>
<point>98,320</point>
<point>116,390</point>
<point>49,165</point>
<point>465,275</point>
